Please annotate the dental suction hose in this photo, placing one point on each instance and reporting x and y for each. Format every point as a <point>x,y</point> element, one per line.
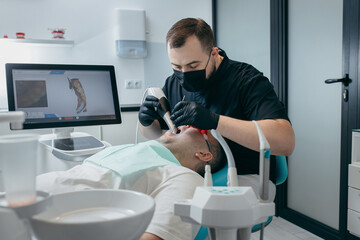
<point>264,164</point>
<point>232,173</point>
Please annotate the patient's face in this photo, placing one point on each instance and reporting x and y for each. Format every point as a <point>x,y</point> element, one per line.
<point>185,136</point>
<point>187,141</point>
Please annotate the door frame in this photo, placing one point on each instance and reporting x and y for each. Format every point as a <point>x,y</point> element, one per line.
<point>350,118</point>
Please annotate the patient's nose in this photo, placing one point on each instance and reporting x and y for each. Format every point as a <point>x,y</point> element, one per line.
<point>182,128</point>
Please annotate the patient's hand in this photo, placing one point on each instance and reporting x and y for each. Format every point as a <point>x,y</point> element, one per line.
<point>149,236</point>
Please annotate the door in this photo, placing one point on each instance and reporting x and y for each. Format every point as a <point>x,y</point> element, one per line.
<point>323,43</point>
<point>315,54</point>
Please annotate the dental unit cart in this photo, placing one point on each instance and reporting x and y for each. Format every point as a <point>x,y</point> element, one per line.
<point>41,201</point>
<point>92,214</point>
<point>230,212</point>
<point>354,186</point>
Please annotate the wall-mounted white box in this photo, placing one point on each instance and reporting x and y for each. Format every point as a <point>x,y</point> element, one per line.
<point>130,34</point>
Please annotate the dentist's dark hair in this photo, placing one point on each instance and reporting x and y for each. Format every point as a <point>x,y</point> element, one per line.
<point>181,30</point>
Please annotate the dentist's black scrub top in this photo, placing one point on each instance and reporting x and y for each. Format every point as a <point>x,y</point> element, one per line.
<point>237,90</point>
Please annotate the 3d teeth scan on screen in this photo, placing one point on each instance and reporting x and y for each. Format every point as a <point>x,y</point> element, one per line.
<point>75,84</point>
<point>55,96</point>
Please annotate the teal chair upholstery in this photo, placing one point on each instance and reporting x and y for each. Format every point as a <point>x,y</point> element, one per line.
<point>281,170</point>
<point>220,179</point>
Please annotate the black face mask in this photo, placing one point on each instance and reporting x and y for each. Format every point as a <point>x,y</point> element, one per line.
<point>192,81</point>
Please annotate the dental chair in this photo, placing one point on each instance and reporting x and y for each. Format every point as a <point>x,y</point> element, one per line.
<point>220,179</point>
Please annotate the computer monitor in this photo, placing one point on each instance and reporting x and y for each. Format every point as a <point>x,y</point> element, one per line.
<point>62,97</point>
<point>57,96</point>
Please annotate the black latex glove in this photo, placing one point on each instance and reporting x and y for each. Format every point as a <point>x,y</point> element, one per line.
<point>147,112</point>
<point>193,114</point>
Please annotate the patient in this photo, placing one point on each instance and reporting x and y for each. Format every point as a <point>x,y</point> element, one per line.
<point>168,169</point>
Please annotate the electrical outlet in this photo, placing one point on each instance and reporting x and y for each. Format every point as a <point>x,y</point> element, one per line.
<point>133,84</point>
<point>129,84</point>
<point>137,84</point>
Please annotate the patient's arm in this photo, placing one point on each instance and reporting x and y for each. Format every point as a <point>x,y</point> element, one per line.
<point>149,236</point>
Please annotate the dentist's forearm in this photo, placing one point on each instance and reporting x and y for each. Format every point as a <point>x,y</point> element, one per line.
<point>152,131</point>
<point>278,132</point>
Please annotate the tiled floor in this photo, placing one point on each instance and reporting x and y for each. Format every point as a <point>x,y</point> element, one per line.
<point>280,229</point>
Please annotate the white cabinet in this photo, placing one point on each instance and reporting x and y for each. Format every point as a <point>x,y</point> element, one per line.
<point>354,222</point>
<point>354,199</point>
<point>354,186</point>
<point>354,176</point>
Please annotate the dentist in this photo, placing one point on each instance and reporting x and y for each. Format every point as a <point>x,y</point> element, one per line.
<point>209,91</point>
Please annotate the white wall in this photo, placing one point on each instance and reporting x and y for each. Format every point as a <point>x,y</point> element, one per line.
<point>91,24</point>
<point>245,36</point>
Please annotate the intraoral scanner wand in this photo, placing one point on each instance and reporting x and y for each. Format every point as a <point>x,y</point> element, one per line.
<point>164,111</point>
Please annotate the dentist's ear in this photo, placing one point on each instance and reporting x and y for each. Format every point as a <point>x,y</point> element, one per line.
<point>204,156</point>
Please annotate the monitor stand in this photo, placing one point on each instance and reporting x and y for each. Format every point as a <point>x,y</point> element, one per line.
<point>71,146</point>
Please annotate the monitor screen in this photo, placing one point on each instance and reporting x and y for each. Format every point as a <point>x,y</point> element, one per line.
<point>55,96</point>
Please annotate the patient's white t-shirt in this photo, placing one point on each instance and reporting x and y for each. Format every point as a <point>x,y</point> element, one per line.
<point>166,184</point>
